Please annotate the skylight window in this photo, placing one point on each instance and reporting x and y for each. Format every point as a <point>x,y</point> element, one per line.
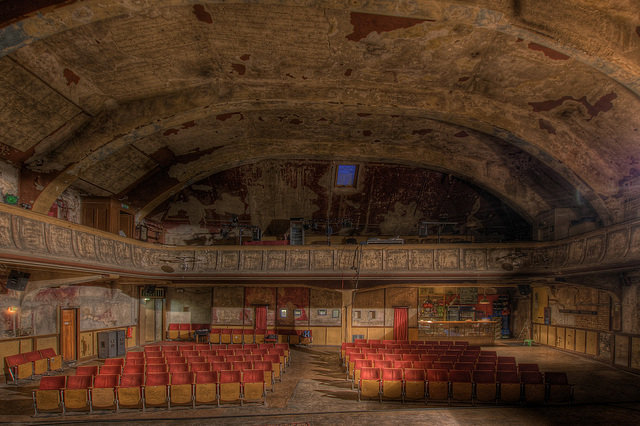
<point>346,175</point>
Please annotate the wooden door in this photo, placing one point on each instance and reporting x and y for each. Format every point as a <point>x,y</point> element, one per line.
<point>153,310</point>
<point>68,334</point>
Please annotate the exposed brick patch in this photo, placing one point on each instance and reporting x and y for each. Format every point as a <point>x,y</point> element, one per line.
<point>367,23</point>
<point>603,104</point>
<point>549,53</point>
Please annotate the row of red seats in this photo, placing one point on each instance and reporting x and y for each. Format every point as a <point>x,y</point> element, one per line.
<point>464,386</point>
<point>34,363</point>
<point>62,393</point>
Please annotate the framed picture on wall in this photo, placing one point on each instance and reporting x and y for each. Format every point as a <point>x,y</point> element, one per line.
<point>335,313</point>
<point>322,312</point>
<point>283,313</point>
<point>297,313</point>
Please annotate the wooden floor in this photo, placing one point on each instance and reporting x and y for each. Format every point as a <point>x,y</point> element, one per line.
<point>314,391</point>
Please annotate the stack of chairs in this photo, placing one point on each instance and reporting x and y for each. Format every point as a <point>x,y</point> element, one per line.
<point>448,372</point>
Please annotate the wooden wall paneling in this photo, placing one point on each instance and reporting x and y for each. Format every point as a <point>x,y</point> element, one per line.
<point>26,345</point>
<point>592,343</point>
<point>377,333</point>
<point>560,337</point>
<point>7,348</point>
<point>87,347</point>
<point>47,342</point>
<point>334,336</point>
<point>635,353</point>
<point>551,335</point>
<point>581,341</point>
<point>621,350</point>
<point>413,334</point>
<point>544,334</point>
<point>359,331</point>
<point>570,339</point>
<point>319,335</point>
<point>536,333</point>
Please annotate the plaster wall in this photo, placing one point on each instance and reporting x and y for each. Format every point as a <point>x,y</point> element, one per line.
<point>189,305</point>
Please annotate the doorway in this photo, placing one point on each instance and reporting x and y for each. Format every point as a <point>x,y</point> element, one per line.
<point>153,315</point>
<point>69,324</point>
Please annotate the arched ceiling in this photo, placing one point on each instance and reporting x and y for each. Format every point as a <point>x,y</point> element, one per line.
<point>536,104</point>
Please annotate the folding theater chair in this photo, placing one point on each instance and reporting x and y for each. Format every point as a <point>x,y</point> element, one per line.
<point>509,385</point>
<point>103,393</point>
<point>130,392</point>
<point>225,336</point>
<point>358,365</point>
<point>134,369</point>
<point>206,388</point>
<point>533,387</point>
<point>558,387</point>
<point>155,368</point>
<point>178,368</point>
<point>528,367</point>
<point>173,332</point>
<point>184,332</point>
<point>415,384</point>
<point>437,385</point>
<point>369,385</point>
<point>76,393</point>
<point>18,367</point>
<point>111,369</point>
<point>277,366</point>
<point>391,384</point>
<point>114,361</point>
<point>181,389</point>
<point>485,386</point>
<point>55,360</point>
<point>40,363</point>
<point>254,386</point>
<point>230,387</point>
<point>248,336</point>
<point>287,351</point>
<point>267,367</point>
<point>461,386</point>
<point>200,366</point>
<point>214,336</point>
<point>156,390</point>
<point>48,396</point>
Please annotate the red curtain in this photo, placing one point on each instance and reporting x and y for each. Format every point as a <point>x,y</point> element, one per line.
<point>261,318</point>
<point>400,324</point>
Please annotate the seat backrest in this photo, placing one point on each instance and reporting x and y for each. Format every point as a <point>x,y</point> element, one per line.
<point>359,364</point>
<point>368,350</point>
<point>448,358</point>
<point>176,360</point>
<point>467,358</point>
<point>114,361</point>
<point>460,376</point>
<point>391,374</point>
<point>87,370</point>
<point>48,353</point>
<point>185,327</point>
<point>469,366</point>
<point>368,373</point>
<point>134,368</point>
<point>556,378</point>
<point>485,366</point>
<point>182,378</point>
<point>390,357</point>
<point>134,355</point>
<point>242,365</point>
<point>52,382</point>
<point>220,366</point>
<point>422,365</point>
<point>235,358</point>
<point>198,358</point>
<point>443,365</point>
<point>484,376</point>
<point>507,367</point>
<point>507,377</point>
<point>156,368</point>
<point>402,364</point>
<point>178,368</point>
<point>132,380</point>
<point>415,375</point>
<point>189,353</point>
<point>506,360</point>
<point>166,348</point>
<point>215,358</point>
<point>110,369</point>
<point>528,367</point>
<point>531,377</point>
<point>134,361</point>
<point>253,376</point>
<point>226,352</point>
<point>174,326</point>
<point>230,376</point>
<point>79,382</point>
<point>106,381</point>
<point>275,358</point>
<point>157,379</point>
<point>200,366</point>
<point>411,357</point>
<point>489,353</point>
<point>382,363</point>
<point>32,356</point>
<point>437,375</point>
<point>203,377</point>
<point>377,356</point>
<point>13,360</point>
<point>429,357</point>
<point>153,349</point>
<point>156,360</point>
<point>263,365</point>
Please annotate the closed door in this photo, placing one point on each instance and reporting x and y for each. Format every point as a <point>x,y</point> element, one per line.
<point>68,334</point>
<point>153,320</point>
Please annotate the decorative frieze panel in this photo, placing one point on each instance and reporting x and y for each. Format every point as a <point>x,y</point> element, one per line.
<point>298,260</point>
<point>321,260</point>
<point>447,259</point>
<point>229,260</point>
<point>84,245</point>
<point>251,260</point>
<point>276,260</point>
<point>396,260</point>
<point>6,239</point>
<point>46,239</point>
<point>59,241</point>
<point>421,260</point>
<point>29,234</point>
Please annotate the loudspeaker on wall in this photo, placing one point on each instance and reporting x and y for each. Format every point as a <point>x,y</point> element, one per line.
<point>17,280</point>
<point>524,289</point>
